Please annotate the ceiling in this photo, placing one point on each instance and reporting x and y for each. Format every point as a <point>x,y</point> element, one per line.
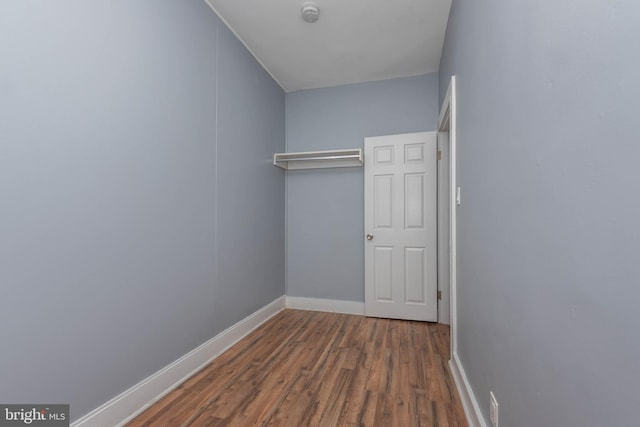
<point>353,41</point>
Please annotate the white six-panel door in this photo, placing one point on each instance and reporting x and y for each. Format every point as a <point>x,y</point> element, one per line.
<point>400,226</point>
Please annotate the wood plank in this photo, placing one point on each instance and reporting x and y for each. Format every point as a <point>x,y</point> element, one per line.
<point>325,369</point>
<point>194,392</point>
<point>355,397</point>
<point>295,404</point>
<point>367,414</point>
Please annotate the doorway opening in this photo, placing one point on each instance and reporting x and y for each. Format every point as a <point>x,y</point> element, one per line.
<point>448,201</point>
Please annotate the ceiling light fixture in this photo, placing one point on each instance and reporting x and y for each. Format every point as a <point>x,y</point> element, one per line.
<point>310,12</point>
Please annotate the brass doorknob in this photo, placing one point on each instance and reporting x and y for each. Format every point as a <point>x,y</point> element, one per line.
<point>369,236</point>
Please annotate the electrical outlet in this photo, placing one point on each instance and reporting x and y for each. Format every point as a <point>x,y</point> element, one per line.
<point>493,409</point>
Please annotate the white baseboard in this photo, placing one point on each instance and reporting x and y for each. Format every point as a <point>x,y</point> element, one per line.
<point>124,407</point>
<point>330,305</point>
<point>469,401</point>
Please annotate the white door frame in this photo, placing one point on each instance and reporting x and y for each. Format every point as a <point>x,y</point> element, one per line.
<point>447,123</point>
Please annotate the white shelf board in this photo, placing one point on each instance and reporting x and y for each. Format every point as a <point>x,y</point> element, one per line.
<point>319,159</point>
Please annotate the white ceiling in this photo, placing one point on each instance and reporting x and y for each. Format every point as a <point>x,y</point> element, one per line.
<point>353,41</point>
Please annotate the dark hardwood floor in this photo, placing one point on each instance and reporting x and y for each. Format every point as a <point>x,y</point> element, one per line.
<point>305,368</point>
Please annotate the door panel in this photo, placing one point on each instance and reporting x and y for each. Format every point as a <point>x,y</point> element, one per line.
<point>383,274</point>
<point>384,155</point>
<point>414,153</point>
<point>414,260</point>
<point>414,200</point>
<point>383,199</point>
<point>400,219</point>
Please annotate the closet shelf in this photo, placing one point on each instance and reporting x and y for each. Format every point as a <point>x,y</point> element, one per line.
<point>319,159</point>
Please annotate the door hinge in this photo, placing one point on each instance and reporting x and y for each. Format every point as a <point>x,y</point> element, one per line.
<point>439,156</point>
<point>439,295</point>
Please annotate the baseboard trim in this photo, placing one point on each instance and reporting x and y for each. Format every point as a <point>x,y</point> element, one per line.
<point>129,404</point>
<point>469,401</point>
<point>329,305</point>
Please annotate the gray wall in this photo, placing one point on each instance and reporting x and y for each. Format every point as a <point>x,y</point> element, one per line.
<point>548,240</point>
<point>134,144</point>
<point>325,217</point>
<point>251,204</point>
